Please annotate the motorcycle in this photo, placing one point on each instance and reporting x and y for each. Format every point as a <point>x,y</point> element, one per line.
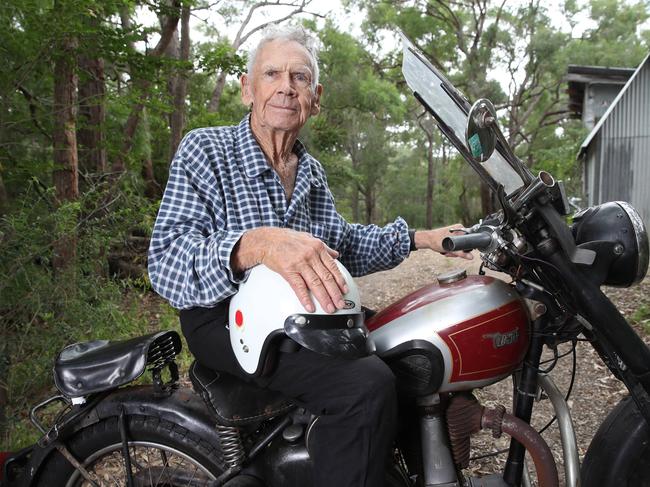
<point>442,342</point>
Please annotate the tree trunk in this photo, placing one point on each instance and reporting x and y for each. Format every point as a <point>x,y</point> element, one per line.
<point>177,122</point>
<point>370,206</point>
<point>464,206</point>
<point>429,130</point>
<point>354,196</point>
<point>354,202</point>
<point>92,115</point>
<point>152,189</point>
<point>487,199</point>
<point>215,99</point>
<point>4,199</point>
<point>64,136</point>
<point>431,179</point>
<point>141,87</point>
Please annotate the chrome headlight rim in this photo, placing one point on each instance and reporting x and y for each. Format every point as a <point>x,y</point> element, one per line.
<point>641,236</point>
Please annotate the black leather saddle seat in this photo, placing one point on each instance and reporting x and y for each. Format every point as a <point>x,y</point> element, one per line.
<point>89,367</point>
<point>234,401</point>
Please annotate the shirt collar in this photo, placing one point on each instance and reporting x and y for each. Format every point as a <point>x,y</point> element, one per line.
<point>252,157</point>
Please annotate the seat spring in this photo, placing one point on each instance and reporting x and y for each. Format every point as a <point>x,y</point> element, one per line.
<point>232,448</point>
<point>161,353</point>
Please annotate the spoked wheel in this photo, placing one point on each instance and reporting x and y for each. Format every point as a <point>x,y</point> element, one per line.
<point>162,454</point>
<point>152,465</point>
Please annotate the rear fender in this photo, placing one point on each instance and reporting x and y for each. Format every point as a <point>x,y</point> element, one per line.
<point>183,407</point>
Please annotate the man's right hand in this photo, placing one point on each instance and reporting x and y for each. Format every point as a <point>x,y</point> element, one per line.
<point>304,261</point>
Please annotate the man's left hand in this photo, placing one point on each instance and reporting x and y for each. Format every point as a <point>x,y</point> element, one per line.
<point>432,239</point>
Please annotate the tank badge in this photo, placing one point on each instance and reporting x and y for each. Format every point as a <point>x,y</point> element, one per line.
<point>349,304</point>
<point>500,340</point>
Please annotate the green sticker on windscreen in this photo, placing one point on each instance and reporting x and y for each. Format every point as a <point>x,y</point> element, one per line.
<point>475,146</point>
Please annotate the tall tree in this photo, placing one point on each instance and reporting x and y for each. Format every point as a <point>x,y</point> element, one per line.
<point>92,110</point>
<point>177,119</point>
<point>65,174</point>
<point>429,128</point>
<point>141,85</point>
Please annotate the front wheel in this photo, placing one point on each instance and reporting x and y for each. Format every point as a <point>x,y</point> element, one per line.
<point>619,454</point>
<point>161,453</point>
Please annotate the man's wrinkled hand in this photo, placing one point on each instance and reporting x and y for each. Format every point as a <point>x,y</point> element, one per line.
<point>305,262</point>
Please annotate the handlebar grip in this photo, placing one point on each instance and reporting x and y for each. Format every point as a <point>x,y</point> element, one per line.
<point>471,241</point>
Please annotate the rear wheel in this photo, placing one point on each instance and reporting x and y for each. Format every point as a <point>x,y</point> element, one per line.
<point>162,455</point>
<point>619,454</point>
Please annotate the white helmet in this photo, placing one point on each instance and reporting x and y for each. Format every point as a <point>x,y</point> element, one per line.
<point>266,309</point>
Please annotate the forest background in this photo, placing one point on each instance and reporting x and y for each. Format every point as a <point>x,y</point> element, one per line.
<point>94,102</point>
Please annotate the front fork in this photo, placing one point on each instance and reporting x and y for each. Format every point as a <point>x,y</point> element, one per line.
<point>523,399</point>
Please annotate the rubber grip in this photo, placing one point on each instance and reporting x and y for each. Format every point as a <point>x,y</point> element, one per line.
<point>479,240</point>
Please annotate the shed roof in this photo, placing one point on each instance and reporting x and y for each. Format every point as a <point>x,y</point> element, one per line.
<point>578,77</point>
<point>612,107</point>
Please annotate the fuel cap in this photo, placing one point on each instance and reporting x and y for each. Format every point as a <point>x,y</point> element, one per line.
<point>452,276</point>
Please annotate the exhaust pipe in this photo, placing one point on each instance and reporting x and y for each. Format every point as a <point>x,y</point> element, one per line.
<point>466,416</point>
<point>498,421</point>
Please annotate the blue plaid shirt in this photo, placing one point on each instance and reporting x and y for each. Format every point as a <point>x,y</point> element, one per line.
<point>220,185</point>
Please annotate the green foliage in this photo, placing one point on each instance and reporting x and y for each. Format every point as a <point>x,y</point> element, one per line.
<point>42,311</point>
<point>642,317</point>
<point>615,39</point>
<point>556,152</point>
<point>217,57</point>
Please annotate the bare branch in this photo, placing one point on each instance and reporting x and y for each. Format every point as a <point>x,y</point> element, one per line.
<point>299,9</point>
<point>168,30</point>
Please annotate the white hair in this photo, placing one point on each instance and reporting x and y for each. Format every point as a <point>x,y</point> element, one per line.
<point>292,33</point>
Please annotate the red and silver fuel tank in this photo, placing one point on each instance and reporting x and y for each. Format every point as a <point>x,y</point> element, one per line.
<point>461,333</point>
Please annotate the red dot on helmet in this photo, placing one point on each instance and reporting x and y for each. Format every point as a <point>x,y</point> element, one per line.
<point>239,318</point>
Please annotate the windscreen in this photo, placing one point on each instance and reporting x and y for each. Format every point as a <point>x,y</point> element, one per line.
<point>450,109</point>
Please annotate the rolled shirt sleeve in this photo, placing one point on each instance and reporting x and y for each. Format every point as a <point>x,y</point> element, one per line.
<point>189,254</point>
<point>370,248</point>
<point>363,249</point>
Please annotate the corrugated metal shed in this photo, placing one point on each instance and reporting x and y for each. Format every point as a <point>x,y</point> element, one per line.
<point>616,154</point>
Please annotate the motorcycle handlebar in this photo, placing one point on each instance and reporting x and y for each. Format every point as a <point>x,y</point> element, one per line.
<point>471,241</point>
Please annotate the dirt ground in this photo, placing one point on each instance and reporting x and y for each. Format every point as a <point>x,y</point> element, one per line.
<point>595,391</point>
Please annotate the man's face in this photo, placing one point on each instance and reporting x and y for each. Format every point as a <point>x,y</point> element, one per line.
<point>280,87</point>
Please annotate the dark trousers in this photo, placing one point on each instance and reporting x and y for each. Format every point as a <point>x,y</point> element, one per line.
<point>355,399</point>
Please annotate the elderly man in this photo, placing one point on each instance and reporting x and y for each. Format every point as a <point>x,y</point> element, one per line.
<point>249,194</point>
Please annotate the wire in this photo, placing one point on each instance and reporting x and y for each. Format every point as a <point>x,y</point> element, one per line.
<point>569,390</point>
<point>540,261</point>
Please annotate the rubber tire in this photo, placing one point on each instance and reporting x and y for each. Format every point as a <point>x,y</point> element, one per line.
<point>57,470</point>
<point>619,453</point>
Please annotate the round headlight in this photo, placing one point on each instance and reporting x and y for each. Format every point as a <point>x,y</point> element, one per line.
<point>617,233</point>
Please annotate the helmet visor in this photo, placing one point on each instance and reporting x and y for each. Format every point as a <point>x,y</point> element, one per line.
<point>342,335</point>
